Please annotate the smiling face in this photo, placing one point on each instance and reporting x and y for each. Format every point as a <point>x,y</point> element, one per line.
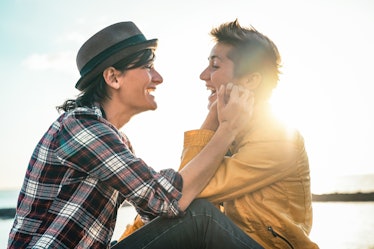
<point>219,71</point>
<point>136,87</point>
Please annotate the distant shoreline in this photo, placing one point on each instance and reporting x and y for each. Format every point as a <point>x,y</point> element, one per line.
<point>346,197</point>
<point>8,213</point>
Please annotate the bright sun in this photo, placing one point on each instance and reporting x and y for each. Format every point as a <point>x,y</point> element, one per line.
<point>283,105</point>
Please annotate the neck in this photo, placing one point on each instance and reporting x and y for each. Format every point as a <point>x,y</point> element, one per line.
<point>115,115</point>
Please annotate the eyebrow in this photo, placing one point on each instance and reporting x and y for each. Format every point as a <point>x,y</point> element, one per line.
<point>214,57</point>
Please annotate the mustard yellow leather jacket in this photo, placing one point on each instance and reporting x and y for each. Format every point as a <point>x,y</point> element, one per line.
<point>264,186</point>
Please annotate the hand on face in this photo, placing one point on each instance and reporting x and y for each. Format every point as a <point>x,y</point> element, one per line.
<point>234,106</point>
<point>211,121</point>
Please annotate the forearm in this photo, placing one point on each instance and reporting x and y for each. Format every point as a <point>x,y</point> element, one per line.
<point>233,115</point>
<point>210,122</point>
<point>197,173</point>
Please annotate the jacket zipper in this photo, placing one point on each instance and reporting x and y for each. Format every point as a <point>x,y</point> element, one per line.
<point>275,234</point>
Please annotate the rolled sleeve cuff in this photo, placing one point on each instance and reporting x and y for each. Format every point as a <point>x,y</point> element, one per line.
<point>197,137</point>
<point>174,193</point>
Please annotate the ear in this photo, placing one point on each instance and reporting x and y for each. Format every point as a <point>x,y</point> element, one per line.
<point>253,80</point>
<point>110,76</point>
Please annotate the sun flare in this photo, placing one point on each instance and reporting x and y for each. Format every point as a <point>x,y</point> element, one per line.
<point>283,106</point>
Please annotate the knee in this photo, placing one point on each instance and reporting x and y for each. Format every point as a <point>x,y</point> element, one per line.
<point>202,206</point>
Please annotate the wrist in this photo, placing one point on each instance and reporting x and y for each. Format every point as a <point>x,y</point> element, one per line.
<point>209,126</point>
<point>210,123</point>
<point>227,131</point>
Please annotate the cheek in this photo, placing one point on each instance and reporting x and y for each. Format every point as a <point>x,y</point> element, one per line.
<point>219,79</point>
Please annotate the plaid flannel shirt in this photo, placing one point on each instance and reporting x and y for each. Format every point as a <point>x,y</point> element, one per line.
<point>78,176</point>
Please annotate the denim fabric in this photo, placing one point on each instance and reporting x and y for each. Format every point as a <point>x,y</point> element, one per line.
<point>203,226</point>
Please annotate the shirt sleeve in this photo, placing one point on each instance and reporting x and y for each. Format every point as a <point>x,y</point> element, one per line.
<point>194,142</point>
<point>252,166</point>
<point>96,149</point>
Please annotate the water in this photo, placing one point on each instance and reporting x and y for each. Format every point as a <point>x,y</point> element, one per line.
<point>343,225</point>
<point>8,198</point>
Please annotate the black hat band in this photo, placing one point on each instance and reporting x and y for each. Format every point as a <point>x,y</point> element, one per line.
<point>95,61</point>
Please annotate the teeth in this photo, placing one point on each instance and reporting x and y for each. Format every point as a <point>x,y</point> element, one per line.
<point>213,90</point>
<point>149,90</point>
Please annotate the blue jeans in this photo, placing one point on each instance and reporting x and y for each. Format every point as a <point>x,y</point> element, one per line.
<point>203,226</point>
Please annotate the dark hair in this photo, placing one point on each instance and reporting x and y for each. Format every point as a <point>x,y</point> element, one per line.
<point>96,91</point>
<point>251,51</point>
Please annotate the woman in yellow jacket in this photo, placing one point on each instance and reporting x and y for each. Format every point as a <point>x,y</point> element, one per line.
<point>263,183</point>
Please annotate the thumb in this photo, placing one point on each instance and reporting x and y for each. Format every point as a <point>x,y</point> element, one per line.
<point>221,97</point>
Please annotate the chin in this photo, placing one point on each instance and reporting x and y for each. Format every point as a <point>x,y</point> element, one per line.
<point>153,107</point>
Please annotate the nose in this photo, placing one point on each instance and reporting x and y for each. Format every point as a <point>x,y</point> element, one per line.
<point>156,77</point>
<point>205,75</point>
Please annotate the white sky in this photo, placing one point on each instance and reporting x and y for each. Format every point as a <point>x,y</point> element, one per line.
<point>325,89</point>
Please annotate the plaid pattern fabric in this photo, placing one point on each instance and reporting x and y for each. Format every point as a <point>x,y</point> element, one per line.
<point>78,176</point>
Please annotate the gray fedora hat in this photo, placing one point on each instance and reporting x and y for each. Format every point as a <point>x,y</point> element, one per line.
<point>107,47</point>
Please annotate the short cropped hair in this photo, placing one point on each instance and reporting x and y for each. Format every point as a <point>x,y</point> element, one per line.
<point>251,51</point>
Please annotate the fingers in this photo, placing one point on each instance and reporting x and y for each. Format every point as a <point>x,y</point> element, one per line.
<point>237,111</point>
<point>225,91</point>
<point>229,88</point>
<point>235,91</point>
<point>224,94</point>
<point>221,97</point>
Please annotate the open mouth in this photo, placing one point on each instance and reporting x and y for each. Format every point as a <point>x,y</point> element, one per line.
<point>213,95</point>
<point>149,91</point>
<point>212,90</point>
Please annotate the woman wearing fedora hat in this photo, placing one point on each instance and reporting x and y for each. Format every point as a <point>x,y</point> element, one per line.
<point>83,168</point>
